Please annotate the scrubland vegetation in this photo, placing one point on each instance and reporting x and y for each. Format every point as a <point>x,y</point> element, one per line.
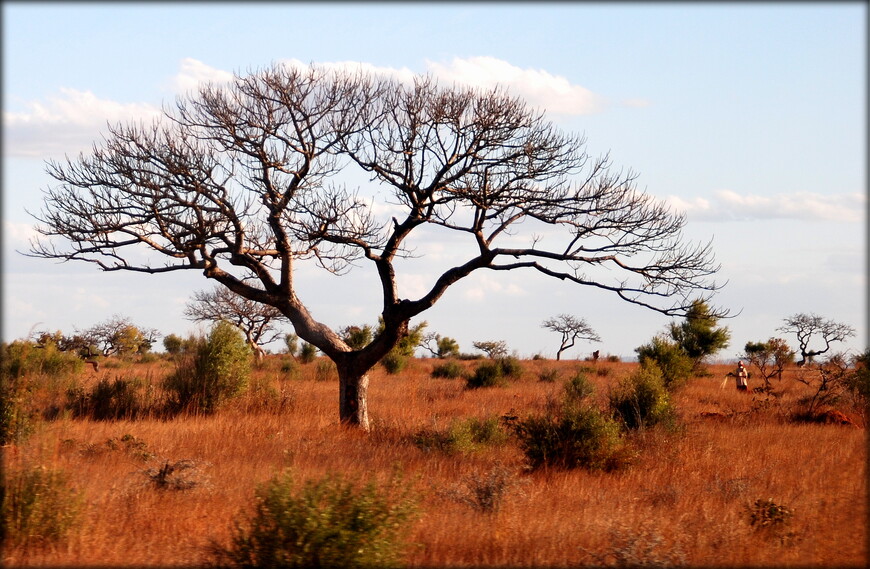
<point>526,463</point>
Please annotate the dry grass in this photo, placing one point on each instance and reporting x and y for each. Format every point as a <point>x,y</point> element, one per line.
<point>683,502</point>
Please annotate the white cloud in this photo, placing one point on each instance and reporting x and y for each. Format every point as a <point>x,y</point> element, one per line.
<point>481,287</point>
<point>68,122</point>
<point>193,73</point>
<point>727,205</point>
<point>72,120</point>
<point>538,87</point>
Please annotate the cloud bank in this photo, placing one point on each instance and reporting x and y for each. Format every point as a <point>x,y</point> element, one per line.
<point>727,205</point>
<point>72,120</point>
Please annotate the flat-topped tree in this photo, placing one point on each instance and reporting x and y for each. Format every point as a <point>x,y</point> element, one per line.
<point>236,182</point>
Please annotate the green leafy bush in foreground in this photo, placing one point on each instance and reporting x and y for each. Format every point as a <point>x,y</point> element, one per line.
<point>322,523</point>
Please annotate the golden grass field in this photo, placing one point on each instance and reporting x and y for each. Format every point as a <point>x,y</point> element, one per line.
<point>682,502</point>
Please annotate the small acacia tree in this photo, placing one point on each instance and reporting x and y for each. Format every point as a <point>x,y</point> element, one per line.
<point>119,336</point>
<point>698,335</point>
<point>571,329</point>
<point>808,327</point>
<point>237,182</point>
<point>769,358</point>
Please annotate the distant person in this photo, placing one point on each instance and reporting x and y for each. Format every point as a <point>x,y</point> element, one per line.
<point>741,376</point>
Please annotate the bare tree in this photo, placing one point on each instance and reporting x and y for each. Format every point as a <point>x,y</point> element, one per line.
<point>256,320</point>
<point>237,182</point>
<point>807,326</point>
<point>571,329</point>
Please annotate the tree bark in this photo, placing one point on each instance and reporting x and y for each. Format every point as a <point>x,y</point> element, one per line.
<point>353,407</point>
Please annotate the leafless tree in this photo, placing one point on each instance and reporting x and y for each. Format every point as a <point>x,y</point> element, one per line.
<point>571,329</point>
<point>238,181</point>
<point>256,320</point>
<point>807,326</point>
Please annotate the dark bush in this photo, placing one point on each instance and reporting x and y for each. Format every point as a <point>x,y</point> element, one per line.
<point>450,369</point>
<point>487,374</point>
<point>579,436</point>
<point>108,400</point>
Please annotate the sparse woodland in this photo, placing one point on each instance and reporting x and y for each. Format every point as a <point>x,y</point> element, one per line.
<point>735,479</point>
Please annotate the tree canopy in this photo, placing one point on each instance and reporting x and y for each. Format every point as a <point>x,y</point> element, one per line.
<point>241,182</point>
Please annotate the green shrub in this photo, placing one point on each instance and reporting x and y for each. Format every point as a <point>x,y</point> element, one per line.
<point>487,374</point>
<point>510,367</point>
<point>577,389</point>
<point>323,523</point>
<point>394,362</point>
<point>641,400</point>
<point>16,416</point>
<point>214,370</point>
<point>579,436</point>
<point>450,369</point>
<point>675,365</point>
<point>307,353</point>
<point>466,435</point>
<point>26,358</point>
<point>38,506</point>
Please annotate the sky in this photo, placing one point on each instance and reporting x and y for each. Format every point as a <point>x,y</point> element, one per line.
<point>749,118</point>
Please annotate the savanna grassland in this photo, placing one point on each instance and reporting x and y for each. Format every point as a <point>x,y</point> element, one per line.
<point>685,495</point>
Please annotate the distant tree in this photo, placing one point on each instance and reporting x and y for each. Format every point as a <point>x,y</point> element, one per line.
<point>357,337</point>
<point>237,182</point>
<point>698,335</point>
<point>173,344</point>
<point>769,358</point>
<point>444,347</point>
<point>258,322</point>
<point>119,336</point>
<point>572,329</point>
<point>493,349</point>
<point>808,326</point>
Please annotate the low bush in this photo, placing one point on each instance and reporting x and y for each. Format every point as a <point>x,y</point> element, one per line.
<point>450,369</point>
<point>577,389</point>
<point>577,436</point>
<point>465,435</point>
<point>675,365</point>
<point>394,362</point>
<point>109,400</point>
<point>548,375</point>
<point>487,374</point>
<point>38,506</point>
<point>641,400</point>
<point>324,523</point>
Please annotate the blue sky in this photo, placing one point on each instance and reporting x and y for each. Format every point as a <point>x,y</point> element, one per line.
<point>751,118</point>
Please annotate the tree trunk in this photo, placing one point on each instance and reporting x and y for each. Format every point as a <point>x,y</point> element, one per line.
<point>353,410</point>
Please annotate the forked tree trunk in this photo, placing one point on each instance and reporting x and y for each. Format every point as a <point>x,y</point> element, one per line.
<point>353,407</point>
